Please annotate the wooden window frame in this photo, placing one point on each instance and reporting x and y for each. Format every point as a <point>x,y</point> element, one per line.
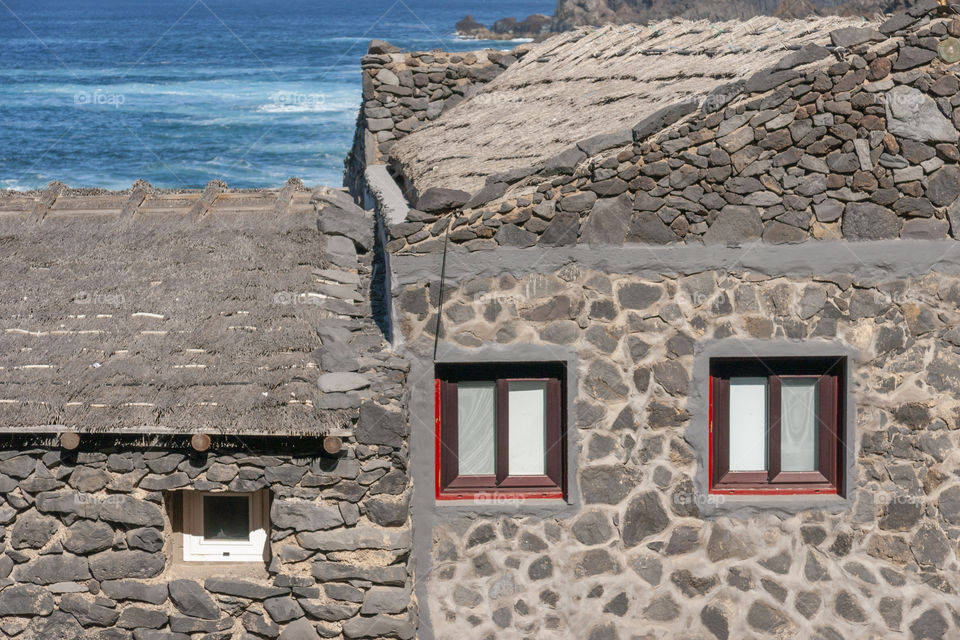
<point>828,479</point>
<point>197,549</point>
<point>450,484</point>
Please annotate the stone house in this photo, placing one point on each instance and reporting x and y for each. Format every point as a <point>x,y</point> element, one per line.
<point>652,333</point>
<point>203,430</point>
<point>680,307</point>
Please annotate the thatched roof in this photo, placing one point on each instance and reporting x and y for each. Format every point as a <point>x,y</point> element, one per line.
<point>191,311</point>
<point>589,82</point>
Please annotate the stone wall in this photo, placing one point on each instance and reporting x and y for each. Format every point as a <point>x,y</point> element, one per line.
<point>90,549</point>
<point>404,91</point>
<point>642,553</point>
<point>856,141</point>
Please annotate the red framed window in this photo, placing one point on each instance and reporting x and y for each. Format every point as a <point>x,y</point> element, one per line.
<point>776,425</point>
<point>501,430</point>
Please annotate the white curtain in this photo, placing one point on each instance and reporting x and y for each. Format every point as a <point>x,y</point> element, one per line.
<point>798,424</point>
<point>527,409</point>
<point>748,424</point>
<point>476,427</point>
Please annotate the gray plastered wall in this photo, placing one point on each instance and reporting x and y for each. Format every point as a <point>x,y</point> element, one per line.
<point>641,546</point>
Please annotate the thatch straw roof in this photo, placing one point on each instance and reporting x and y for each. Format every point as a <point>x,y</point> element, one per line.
<point>192,311</point>
<point>589,82</point>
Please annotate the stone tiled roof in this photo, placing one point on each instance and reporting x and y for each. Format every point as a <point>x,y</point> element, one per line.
<point>213,310</point>
<point>590,82</point>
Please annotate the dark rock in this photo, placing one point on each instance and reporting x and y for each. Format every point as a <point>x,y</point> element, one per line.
<point>380,425</point>
<point>487,194</point>
<point>648,227</point>
<point>142,618</point>
<point>929,626</point>
<point>595,562</point>
<point>562,230</point>
<point>606,484</point>
<point>437,199</point>
<point>868,221</point>
<point>912,114</point>
<point>910,57</point>
<point>944,186</point>
<point>282,609</point>
<point>608,221</point>
<point>132,590</point>
<point>115,565</point>
<point>723,544</point>
<point>805,55</point>
<point>147,539</point>
<point>638,295</point>
<point>763,617</point>
<point>662,118</point>
<point>847,607</point>
<point>807,603</point>
<point>599,143</point>
<point>51,569</point>
<point>127,510</point>
<point>304,516</point>
<point>541,568</point>
<point>243,589</point>
<point>33,531</point>
<point>592,527</point>
<point>61,625</point>
<point>89,537</point>
<point>672,376</point>
<point>193,600</point>
<point>24,600</point>
<point>714,618</point>
<point>578,202</point>
<point>662,609</point>
<point>510,235</point>
<point>388,513</point>
<point>382,47</point>
<point>693,586</point>
<point>643,517</point>
<point>734,226</point>
<point>852,36</point>
<point>769,79</point>
<point>564,162</point>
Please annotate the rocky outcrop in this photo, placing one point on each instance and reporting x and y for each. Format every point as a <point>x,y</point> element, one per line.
<point>570,14</point>
<point>536,26</point>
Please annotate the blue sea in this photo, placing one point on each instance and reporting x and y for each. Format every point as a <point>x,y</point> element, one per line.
<point>99,93</point>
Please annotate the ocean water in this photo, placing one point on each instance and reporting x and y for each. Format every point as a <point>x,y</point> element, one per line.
<point>99,93</point>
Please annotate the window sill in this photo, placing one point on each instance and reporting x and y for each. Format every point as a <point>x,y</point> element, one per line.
<point>747,504</point>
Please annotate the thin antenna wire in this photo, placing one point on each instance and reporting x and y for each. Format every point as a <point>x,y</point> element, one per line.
<point>443,274</point>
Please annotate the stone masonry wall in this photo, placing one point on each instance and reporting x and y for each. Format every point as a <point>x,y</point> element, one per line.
<point>639,558</point>
<point>855,141</point>
<point>89,546</point>
<point>404,91</point>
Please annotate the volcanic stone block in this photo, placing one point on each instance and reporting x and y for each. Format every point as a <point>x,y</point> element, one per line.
<point>304,516</point>
<point>438,199</point>
<point>914,115</point>
<point>193,600</point>
<point>114,565</point>
<point>24,600</point>
<point>89,537</point>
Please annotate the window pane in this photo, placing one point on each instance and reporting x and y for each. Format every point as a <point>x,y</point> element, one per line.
<point>226,518</point>
<point>748,424</point>
<point>798,424</point>
<point>528,428</point>
<point>476,427</point>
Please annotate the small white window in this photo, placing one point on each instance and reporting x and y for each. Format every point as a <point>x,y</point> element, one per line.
<point>225,526</point>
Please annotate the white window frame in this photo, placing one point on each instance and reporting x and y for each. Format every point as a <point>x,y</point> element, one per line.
<point>197,549</point>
